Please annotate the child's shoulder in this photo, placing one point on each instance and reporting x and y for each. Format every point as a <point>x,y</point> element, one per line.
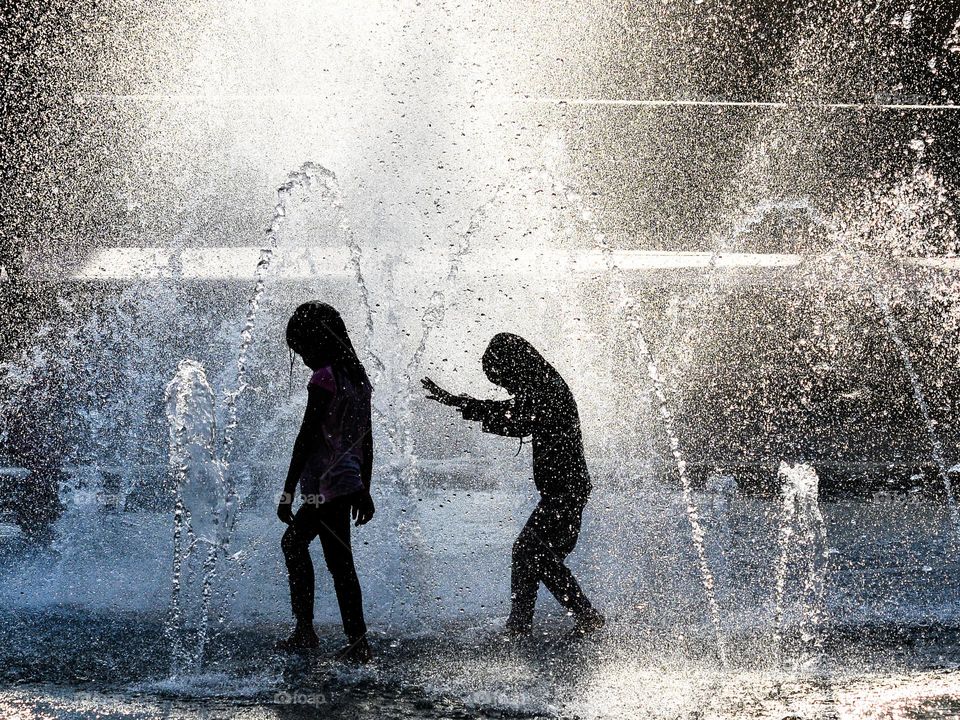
<point>323,379</point>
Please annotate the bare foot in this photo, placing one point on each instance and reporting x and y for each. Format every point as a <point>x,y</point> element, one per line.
<point>516,630</point>
<point>302,638</point>
<point>356,653</point>
<point>589,621</point>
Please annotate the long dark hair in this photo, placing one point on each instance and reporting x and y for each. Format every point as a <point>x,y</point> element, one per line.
<point>317,325</point>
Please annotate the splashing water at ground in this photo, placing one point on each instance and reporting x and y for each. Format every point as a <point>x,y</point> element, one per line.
<point>203,516</point>
<point>803,544</point>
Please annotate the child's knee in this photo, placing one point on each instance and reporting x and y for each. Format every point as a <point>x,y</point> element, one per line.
<point>341,568</point>
<point>291,543</point>
<point>523,547</point>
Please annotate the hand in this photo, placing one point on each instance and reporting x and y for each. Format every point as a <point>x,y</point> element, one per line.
<point>285,512</point>
<point>435,392</point>
<point>361,507</point>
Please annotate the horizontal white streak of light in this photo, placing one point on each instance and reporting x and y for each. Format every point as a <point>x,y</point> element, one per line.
<point>121,263</point>
<point>81,98</point>
<point>239,263</point>
<point>800,105</point>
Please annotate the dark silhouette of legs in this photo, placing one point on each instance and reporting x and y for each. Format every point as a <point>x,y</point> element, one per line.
<point>548,537</point>
<point>296,551</point>
<point>331,523</point>
<point>334,534</point>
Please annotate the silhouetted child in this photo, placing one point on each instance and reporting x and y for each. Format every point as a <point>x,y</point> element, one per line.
<point>332,463</point>
<point>543,407</point>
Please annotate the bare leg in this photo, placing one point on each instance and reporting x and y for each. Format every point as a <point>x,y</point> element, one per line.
<point>296,551</point>
<point>333,530</point>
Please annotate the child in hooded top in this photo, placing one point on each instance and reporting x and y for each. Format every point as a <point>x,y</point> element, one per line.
<point>332,463</point>
<point>543,407</point>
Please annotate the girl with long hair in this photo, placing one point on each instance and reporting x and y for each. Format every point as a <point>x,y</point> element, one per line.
<point>332,463</point>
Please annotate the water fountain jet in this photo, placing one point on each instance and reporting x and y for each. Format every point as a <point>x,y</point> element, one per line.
<point>802,544</point>
<point>204,512</point>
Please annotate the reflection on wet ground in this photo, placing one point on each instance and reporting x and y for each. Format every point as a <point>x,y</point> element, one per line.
<point>76,665</point>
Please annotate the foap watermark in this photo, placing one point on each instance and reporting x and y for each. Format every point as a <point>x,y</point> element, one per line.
<point>299,697</point>
<point>308,498</point>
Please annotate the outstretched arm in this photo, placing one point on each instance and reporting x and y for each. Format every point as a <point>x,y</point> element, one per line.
<point>503,417</point>
<point>470,407</point>
<point>499,417</point>
<point>435,392</point>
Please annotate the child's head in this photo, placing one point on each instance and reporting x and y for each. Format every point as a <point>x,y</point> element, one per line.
<point>514,364</point>
<point>316,332</point>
